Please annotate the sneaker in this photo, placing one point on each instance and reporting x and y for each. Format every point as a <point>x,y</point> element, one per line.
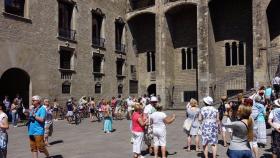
<point>15,126</point>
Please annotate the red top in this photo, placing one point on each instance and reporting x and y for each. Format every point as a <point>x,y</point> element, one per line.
<point>136,127</point>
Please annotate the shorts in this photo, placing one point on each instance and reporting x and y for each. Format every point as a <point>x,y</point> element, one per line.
<point>48,129</point>
<point>224,129</point>
<point>137,138</point>
<point>69,113</point>
<point>159,137</point>
<point>37,143</point>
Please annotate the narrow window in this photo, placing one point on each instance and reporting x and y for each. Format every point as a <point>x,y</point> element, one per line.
<point>228,56</point>
<point>119,26</point>
<point>234,53</point>
<point>120,67</point>
<point>66,86</point>
<point>189,58</point>
<point>148,61</point>
<point>15,7</point>
<point>133,86</point>
<point>183,59</point>
<point>241,53</point>
<point>65,20</point>
<point>195,58</point>
<point>97,88</point>
<point>97,20</point>
<point>153,61</point>
<point>97,62</point>
<point>120,89</point>
<point>65,59</point>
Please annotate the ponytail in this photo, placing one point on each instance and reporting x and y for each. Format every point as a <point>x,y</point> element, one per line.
<point>250,133</point>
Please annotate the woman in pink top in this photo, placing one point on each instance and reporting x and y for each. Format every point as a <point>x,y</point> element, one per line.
<point>138,125</point>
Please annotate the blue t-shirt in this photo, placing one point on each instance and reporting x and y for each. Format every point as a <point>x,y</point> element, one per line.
<point>35,127</point>
<point>268,92</point>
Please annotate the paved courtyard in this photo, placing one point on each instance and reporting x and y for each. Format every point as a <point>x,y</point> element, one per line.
<point>87,140</point>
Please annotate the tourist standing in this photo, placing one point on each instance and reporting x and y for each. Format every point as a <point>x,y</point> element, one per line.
<point>148,110</point>
<point>210,126</point>
<point>48,122</point>
<point>227,119</point>
<point>159,120</point>
<point>138,127</point>
<point>192,112</point>
<point>7,104</point>
<point>258,114</point>
<point>92,109</point>
<point>14,110</point>
<point>268,94</point>
<point>55,109</point>
<point>4,125</point>
<point>274,121</point>
<point>242,134</point>
<point>107,118</point>
<point>36,126</point>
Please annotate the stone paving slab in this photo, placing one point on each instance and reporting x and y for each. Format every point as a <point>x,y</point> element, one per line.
<point>87,140</point>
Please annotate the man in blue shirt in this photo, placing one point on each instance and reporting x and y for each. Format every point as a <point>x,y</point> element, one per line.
<point>36,127</point>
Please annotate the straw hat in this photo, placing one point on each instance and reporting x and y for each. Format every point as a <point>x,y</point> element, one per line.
<point>208,100</point>
<point>277,102</point>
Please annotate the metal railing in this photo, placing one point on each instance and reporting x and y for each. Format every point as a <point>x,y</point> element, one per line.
<point>67,33</point>
<point>98,42</point>
<point>120,48</point>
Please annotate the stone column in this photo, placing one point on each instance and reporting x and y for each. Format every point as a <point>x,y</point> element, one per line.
<point>203,57</point>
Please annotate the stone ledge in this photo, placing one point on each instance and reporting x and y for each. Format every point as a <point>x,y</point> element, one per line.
<point>17,17</point>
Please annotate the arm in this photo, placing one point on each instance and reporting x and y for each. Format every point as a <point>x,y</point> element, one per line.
<point>169,119</point>
<point>5,124</point>
<point>142,122</point>
<point>40,117</point>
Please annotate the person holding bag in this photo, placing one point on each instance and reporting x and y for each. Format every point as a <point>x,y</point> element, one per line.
<point>191,125</point>
<point>4,125</point>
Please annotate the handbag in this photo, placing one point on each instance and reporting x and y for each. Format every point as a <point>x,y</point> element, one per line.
<point>187,124</point>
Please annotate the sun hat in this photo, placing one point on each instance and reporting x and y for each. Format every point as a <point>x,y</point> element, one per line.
<point>154,99</point>
<point>277,102</point>
<point>208,100</point>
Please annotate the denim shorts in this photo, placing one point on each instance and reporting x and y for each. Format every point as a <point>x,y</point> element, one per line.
<point>239,154</point>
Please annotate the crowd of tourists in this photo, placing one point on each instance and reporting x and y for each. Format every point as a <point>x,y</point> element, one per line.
<point>245,121</point>
<point>242,123</point>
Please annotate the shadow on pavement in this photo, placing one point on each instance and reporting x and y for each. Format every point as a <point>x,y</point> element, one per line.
<point>56,142</point>
<point>56,156</point>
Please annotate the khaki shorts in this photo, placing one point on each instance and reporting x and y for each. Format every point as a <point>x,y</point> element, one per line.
<point>37,143</point>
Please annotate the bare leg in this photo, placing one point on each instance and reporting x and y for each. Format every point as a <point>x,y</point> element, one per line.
<point>163,151</point>
<point>156,151</point>
<point>274,156</point>
<point>35,154</point>
<point>205,150</point>
<point>197,143</point>
<point>256,151</point>
<point>189,142</point>
<point>214,150</point>
<point>224,138</point>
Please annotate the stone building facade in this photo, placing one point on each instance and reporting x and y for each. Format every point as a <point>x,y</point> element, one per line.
<point>173,48</point>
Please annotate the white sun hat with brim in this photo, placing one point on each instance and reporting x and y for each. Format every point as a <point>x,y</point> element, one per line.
<point>208,100</point>
<point>277,102</point>
<point>154,99</point>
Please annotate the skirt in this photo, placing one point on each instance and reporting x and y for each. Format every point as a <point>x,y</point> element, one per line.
<point>108,124</point>
<point>261,132</point>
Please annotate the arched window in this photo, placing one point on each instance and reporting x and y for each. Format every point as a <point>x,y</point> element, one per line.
<point>241,53</point>
<point>234,53</point>
<point>183,59</point>
<point>66,87</point>
<point>120,89</point>
<point>228,56</point>
<point>97,88</point>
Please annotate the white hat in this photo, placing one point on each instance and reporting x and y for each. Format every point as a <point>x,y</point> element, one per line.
<point>154,99</point>
<point>208,100</point>
<point>277,102</point>
<point>36,97</point>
